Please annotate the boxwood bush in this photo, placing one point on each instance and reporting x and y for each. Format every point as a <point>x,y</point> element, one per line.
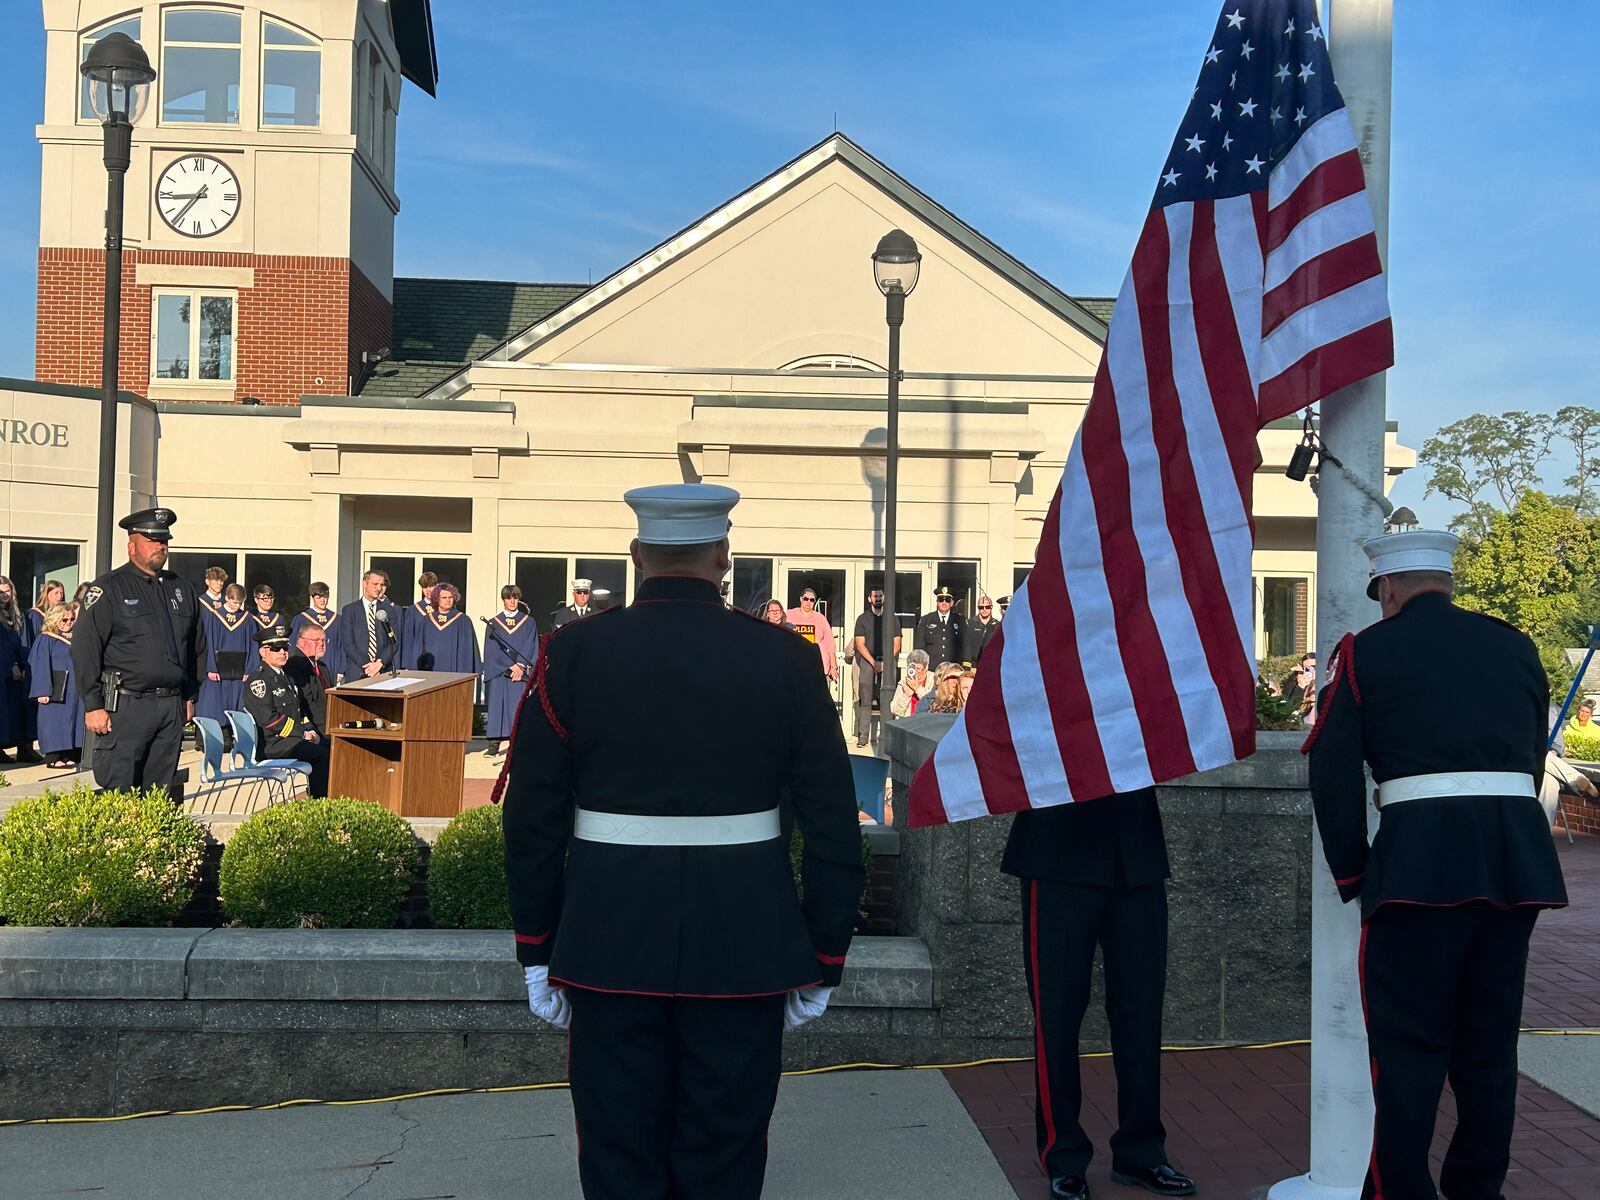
<point>1583,743</point>
<point>333,863</point>
<point>467,873</point>
<point>82,857</point>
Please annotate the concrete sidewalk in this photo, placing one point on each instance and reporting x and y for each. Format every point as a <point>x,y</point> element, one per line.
<point>879,1135</point>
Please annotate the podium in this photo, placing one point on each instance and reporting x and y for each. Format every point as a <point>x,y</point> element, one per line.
<point>417,769</point>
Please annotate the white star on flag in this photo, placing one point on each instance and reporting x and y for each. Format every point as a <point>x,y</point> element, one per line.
<point>1235,19</point>
<point>1195,141</point>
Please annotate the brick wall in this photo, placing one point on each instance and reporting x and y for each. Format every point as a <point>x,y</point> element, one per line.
<point>305,319</point>
<point>1583,816</point>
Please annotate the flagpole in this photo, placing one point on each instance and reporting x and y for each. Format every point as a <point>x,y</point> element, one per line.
<point>1361,43</point>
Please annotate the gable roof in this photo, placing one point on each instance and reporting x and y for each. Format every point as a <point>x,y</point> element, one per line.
<point>443,325</point>
<point>835,147</point>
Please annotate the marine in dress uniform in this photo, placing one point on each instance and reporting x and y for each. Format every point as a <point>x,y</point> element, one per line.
<point>363,636</point>
<point>510,648</point>
<point>1460,866</point>
<point>578,609</point>
<point>279,710</point>
<point>646,863</point>
<point>136,655</point>
<point>943,632</point>
<point>1094,873</point>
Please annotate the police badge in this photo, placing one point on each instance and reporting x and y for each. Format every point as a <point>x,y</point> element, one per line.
<point>258,688</point>
<point>92,597</point>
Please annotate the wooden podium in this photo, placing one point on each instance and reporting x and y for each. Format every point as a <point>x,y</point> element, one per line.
<point>417,769</point>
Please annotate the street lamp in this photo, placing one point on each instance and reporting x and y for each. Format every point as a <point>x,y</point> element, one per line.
<point>895,266</point>
<point>119,76</point>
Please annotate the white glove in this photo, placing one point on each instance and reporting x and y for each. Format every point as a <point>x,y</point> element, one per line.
<point>547,1003</point>
<point>804,1004</point>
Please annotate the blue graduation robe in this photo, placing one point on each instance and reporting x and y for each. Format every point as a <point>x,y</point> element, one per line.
<point>60,725</point>
<point>310,616</point>
<point>257,620</point>
<point>446,643</point>
<point>230,632</point>
<point>414,621</point>
<point>504,694</point>
<point>19,725</point>
<point>214,603</point>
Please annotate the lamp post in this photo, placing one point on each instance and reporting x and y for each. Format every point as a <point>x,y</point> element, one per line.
<point>119,76</point>
<point>895,266</point>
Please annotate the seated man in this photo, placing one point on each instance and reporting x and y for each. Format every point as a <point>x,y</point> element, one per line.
<point>279,710</point>
<point>309,671</point>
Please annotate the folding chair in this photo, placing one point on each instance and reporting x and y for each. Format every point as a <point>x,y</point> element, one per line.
<point>214,776</point>
<point>245,737</point>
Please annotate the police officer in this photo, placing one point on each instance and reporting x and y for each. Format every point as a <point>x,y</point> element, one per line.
<point>136,656</point>
<point>660,917</point>
<point>279,710</point>
<point>943,632</point>
<point>578,609</point>
<point>981,631</point>
<point>1461,863</point>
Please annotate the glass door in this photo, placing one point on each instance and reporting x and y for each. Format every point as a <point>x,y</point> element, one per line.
<point>404,569</point>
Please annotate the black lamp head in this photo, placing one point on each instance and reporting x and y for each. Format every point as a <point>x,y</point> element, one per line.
<point>896,263</point>
<point>119,75</point>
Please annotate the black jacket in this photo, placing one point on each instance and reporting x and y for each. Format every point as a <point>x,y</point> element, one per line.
<point>945,641</point>
<point>313,679</point>
<point>270,696</point>
<point>1114,841</point>
<point>979,635</point>
<point>148,627</point>
<point>1391,703</point>
<point>727,715</point>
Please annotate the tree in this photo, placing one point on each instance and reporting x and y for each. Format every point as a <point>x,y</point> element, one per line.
<point>1535,568</point>
<point>1482,459</point>
<point>1581,427</point>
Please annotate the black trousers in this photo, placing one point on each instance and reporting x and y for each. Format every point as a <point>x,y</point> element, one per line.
<point>1442,993</point>
<point>672,1095</point>
<point>144,743</point>
<point>1061,925</point>
<point>315,753</point>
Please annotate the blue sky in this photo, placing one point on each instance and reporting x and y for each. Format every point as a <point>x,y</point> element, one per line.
<point>567,139</point>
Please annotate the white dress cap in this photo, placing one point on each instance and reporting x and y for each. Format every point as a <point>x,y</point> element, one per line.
<point>682,514</point>
<point>1414,550</point>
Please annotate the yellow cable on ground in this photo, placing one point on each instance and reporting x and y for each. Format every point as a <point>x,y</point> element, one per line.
<point>545,1087</point>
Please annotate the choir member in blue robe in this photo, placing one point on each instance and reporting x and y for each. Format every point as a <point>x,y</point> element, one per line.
<point>448,641</point>
<point>53,593</point>
<point>16,634</point>
<point>53,690</point>
<point>216,580</point>
<point>321,614</point>
<point>414,620</point>
<point>510,648</point>
<point>262,616</point>
<point>228,642</point>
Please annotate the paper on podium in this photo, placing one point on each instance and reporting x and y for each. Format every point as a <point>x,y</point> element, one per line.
<point>392,685</point>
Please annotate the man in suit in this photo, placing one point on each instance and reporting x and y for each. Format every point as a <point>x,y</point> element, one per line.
<point>368,633</point>
<point>943,632</point>
<point>578,609</point>
<point>279,711</point>
<point>660,917</point>
<point>1094,873</point>
<point>1460,867</point>
<point>310,674</point>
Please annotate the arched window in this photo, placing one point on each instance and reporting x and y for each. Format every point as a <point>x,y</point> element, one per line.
<point>831,362</point>
<point>291,76</point>
<point>200,66</point>
<point>129,26</point>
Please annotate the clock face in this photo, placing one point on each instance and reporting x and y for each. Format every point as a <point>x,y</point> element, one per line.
<point>197,195</point>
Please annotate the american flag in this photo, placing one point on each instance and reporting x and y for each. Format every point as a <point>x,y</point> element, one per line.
<point>1126,659</point>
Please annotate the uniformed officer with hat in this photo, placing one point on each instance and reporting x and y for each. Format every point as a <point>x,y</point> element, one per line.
<point>279,709</point>
<point>136,656</point>
<point>1461,864</point>
<point>647,862</point>
<point>943,632</point>
<point>579,608</point>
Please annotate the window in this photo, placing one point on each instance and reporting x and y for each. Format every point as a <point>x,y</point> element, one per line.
<point>34,562</point>
<point>129,26</point>
<point>962,580</point>
<point>1018,576</point>
<point>291,77</point>
<point>200,67</point>
<point>610,579</point>
<point>907,594</point>
<point>190,350</point>
<point>830,362</point>
<point>405,569</point>
<point>546,583</point>
<point>752,582</point>
<point>288,575</point>
<point>370,70</point>
<point>192,564</point>
<point>1285,605</point>
<point>387,161</point>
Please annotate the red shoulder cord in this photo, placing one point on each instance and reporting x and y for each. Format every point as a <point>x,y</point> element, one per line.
<point>1344,670</point>
<point>536,682</point>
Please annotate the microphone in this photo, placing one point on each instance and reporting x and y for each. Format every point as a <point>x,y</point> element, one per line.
<point>382,618</point>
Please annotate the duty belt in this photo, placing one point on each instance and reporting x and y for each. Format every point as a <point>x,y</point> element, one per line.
<point>153,693</point>
<point>628,829</point>
<point>1454,783</point>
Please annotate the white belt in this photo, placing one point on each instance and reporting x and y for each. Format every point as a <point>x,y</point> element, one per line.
<point>1454,783</point>
<point>626,829</point>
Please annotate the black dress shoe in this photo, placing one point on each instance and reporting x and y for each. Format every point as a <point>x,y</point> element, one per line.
<point>1069,1187</point>
<point>1162,1180</point>
<point>30,755</point>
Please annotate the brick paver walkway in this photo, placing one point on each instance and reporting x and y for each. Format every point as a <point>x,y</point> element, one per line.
<point>1239,1120</point>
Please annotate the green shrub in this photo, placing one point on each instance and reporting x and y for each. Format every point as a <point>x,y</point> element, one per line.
<point>319,864</point>
<point>1583,744</point>
<point>82,857</point>
<point>467,873</point>
<point>1274,712</point>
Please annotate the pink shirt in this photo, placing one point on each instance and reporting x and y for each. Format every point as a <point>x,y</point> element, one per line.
<point>815,628</point>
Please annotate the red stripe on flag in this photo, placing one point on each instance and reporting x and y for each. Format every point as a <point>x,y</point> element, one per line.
<point>925,806</point>
<point>1258,208</point>
<point>1327,369</point>
<point>1318,278</point>
<point>1332,180</point>
<point>993,743</point>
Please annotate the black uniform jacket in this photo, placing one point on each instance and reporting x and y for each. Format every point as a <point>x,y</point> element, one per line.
<point>313,679</point>
<point>979,635</point>
<point>148,627</point>
<point>1435,688</point>
<point>677,706</point>
<point>1116,840</point>
<point>945,641</point>
<point>271,697</point>
<point>567,615</point>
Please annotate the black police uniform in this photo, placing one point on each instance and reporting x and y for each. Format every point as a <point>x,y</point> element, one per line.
<point>1094,873</point>
<point>279,711</point>
<point>571,613</point>
<point>979,635</point>
<point>147,629</point>
<point>945,641</point>
<point>1449,887</point>
<point>677,958</point>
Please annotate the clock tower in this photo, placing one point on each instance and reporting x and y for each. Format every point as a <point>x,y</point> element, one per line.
<point>258,258</point>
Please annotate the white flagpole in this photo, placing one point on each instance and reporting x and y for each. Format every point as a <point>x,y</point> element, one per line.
<point>1361,43</point>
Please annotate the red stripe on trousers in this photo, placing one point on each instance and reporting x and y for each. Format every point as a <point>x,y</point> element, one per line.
<point>1041,1064</point>
<point>1327,369</point>
<point>1372,1062</point>
<point>1332,180</point>
<point>1326,275</point>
